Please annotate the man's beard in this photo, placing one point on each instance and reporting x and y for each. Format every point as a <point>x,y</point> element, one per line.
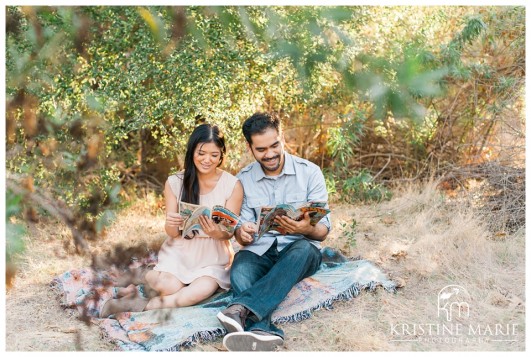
<point>265,168</point>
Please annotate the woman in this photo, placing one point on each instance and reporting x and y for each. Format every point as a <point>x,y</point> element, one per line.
<point>189,270</point>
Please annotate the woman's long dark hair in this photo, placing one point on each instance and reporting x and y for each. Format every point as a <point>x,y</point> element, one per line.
<point>204,133</point>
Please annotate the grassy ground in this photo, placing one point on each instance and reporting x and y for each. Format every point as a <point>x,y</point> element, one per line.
<point>421,238</point>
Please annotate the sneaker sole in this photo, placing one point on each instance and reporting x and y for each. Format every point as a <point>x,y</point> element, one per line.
<point>248,341</point>
<point>230,325</point>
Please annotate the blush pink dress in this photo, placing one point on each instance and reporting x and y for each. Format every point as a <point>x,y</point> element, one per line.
<point>189,259</point>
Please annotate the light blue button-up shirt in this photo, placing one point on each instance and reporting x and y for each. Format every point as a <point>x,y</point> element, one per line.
<point>300,181</point>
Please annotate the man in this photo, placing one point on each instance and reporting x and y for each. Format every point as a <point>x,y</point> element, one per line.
<point>265,269</point>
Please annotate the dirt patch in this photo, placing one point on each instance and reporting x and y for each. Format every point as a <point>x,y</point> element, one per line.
<point>424,240</point>
<point>35,323</point>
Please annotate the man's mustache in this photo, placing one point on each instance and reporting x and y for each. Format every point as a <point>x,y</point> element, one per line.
<point>271,158</point>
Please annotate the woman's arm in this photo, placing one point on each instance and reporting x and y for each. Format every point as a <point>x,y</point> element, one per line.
<point>173,219</point>
<point>234,203</point>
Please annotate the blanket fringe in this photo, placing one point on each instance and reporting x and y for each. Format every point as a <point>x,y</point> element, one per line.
<point>203,336</point>
<point>57,288</point>
<point>352,292</point>
<point>390,286</point>
<point>118,345</point>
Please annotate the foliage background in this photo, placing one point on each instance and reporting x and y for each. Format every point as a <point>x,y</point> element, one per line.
<point>100,100</point>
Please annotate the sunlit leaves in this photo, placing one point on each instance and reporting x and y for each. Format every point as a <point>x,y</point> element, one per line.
<point>154,22</point>
<point>90,87</point>
<point>397,86</point>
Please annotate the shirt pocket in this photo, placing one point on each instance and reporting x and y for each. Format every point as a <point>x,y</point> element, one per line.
<point>256,202</point>
<point>296,198</point>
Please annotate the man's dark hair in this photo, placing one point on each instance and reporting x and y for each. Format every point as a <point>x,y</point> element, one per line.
<point>258,123</point>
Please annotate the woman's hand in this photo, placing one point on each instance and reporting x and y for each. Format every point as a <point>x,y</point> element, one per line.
<point>174,219</point>
<point>173,222</point>
<point>212,229</point>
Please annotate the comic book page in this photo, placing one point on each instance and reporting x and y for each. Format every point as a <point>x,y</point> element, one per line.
<point>316,209</point>
<point>191,214</point>
<point>266,218</point>
<point>225,217</point>
<point>186,210</point>
<point>263,213</point>
<point>219,214</point>
<point>316,214</point>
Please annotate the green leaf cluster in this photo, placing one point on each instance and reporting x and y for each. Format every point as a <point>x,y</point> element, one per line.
<point>101,97</point>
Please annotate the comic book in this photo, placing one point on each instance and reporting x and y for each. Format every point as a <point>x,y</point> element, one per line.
<point>266,218</point>
<point>219,214</point>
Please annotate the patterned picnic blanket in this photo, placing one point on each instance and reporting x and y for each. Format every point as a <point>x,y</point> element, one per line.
<point>170,329</point>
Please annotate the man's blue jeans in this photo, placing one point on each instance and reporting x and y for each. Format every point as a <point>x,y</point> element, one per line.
<point>260,283</point>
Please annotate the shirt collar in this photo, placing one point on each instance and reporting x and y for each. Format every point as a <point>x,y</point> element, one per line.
<point>288,169</point>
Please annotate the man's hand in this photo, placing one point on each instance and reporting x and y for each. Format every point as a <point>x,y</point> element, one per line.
<point>295,227</point>
<point>244,234</point>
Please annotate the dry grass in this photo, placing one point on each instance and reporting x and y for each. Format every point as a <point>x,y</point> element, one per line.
<point>424,240</point>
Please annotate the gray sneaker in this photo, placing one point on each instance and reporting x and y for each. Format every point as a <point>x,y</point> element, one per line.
<point>233,318</point>
<point>252,341</point>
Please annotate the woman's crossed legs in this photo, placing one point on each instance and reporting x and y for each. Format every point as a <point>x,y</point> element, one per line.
<point>171,292</point>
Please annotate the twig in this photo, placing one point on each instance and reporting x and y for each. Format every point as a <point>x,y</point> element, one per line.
<point>52,206</point>
<point>383,168</point>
